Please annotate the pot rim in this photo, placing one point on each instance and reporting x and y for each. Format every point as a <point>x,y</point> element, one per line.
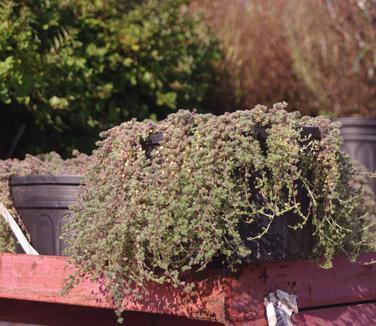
<point>45,179</point>
<point>357,121</point>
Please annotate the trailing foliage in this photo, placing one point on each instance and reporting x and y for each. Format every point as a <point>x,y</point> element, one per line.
<point>43,164</point>
<point>360,181</point>
<point>69,69</point>
<point>152,216</point>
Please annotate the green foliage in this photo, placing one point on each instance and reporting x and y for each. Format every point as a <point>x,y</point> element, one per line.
<point>43,164</point>
<point>69,69</point>
<point>360,181</point>
<point>140,219</point>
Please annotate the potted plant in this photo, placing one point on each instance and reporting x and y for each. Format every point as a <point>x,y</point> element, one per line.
<point>38,191</point>
<point>210,189</point>
<point>283,240</point>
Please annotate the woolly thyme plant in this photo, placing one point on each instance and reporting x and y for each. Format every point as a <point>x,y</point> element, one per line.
<point>50,163</point>
<point>155,217</point>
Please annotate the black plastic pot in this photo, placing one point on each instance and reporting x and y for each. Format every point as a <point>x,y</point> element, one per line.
<point>281,241</point>
<point>42,202</point>
<point>359,138</point>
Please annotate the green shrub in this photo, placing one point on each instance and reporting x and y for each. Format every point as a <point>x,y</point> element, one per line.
<point>43,164</point>
<point>141,219</point>
<point>69,69</point>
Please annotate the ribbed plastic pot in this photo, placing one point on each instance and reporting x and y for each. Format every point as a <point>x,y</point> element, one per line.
<point>359,136</point>
<point>42,202</point>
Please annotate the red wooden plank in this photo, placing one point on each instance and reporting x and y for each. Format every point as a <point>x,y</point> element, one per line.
<point>235,300</point>
<point>354,315</point>
<point>346,282</point>
<point>41,278</point>
<point>41,313</point>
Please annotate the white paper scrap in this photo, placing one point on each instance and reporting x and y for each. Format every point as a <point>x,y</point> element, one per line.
<point>280,306</point>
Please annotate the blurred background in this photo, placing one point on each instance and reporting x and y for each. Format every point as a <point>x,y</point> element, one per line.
<point>72,68</point>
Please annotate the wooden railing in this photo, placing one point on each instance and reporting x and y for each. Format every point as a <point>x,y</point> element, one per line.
<point>346,294</point>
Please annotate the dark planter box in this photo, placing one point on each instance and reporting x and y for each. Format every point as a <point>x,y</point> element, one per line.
<point>359,141</point>
<point>42,202</point>
<point>281,242</point>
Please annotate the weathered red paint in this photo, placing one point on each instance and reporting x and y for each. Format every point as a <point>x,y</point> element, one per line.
<point>230,300</point>
<point>41,313</point>
<point>354,315</point>
<point>346,282</point>
<point>41,278</point>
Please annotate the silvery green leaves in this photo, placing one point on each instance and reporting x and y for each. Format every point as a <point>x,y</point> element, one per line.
<point>156,217</point>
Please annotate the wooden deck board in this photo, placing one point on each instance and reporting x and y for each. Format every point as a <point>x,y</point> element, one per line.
<point>231,300</point>
<point>357,315</point>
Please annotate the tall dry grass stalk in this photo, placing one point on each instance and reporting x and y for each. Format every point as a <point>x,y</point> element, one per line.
<point>319,52</point>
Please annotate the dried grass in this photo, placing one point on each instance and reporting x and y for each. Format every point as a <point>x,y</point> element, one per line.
<point>320,53</point>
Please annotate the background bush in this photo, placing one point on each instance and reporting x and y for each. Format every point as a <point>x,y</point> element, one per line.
<point>317,55</point>
<point>69,69</point>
